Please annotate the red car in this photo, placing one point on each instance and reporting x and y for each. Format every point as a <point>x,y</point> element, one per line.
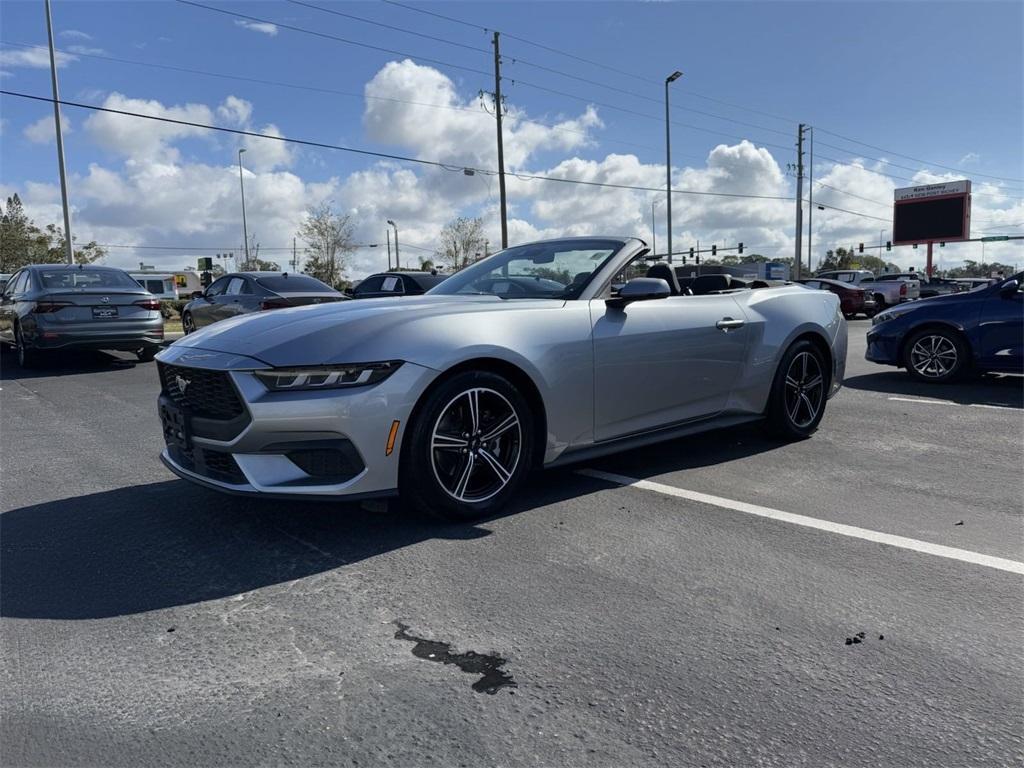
<point>853,300</point>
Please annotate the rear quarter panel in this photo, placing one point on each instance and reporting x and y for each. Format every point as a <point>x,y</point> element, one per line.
<point>776,317</point>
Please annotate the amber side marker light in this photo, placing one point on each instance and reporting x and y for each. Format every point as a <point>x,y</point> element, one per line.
<point>391,438</point>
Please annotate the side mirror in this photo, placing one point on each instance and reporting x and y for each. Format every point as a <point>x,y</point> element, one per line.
<point>640,289</point>
<point>1009,288</point>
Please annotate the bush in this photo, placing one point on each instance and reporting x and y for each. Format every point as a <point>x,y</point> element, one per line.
<point>172,309</point>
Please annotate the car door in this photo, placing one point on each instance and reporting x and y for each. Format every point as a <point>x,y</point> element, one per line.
<point>204,310</point>
<point>8,305</point>
<point>236,300</point>
<point>1001,331</point>
<point>664,361</point>
<point>370,287</point>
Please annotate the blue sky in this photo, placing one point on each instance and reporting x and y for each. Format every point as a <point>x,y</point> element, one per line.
<point>939,82</point>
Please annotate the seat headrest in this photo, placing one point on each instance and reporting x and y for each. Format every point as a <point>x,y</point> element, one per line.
<point>704,284</point>
<point>666,273</point>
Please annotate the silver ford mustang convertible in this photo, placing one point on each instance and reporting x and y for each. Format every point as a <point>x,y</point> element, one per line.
<point>540,355</point>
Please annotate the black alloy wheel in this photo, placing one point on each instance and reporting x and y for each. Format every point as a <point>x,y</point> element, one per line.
<point>799,392</point>
<point>468,449</point>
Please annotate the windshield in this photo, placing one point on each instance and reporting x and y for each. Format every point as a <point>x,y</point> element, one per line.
<point>294,283</point>
<point>557,269</point>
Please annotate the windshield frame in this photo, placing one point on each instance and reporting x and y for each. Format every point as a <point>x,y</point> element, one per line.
<point>455,282</point>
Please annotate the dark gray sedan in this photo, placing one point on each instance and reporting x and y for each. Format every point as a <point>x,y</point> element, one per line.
<point>47,307</point>
<point>242,292</point>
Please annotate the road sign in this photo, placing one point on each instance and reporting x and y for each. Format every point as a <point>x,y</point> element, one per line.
<point>994,238</point>
<point>932,213</point>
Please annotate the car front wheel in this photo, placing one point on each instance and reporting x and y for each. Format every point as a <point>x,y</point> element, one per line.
<point>935,355</point>
<point>469,448</point>
<point>799,392</point>
<point>188,324</point>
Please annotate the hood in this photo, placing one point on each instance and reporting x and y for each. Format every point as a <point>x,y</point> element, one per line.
<point>362,331</point>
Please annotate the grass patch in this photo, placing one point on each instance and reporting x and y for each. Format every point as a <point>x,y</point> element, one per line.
<point>172,326</point>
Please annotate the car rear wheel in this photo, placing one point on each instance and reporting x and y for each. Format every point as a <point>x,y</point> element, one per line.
<point>799,392</point>
<point>879,303</point>
<point>935,355</point>
<point>27,357</point>
<point>468,449</point>
<point>146,354</point>
<point>188,325</point>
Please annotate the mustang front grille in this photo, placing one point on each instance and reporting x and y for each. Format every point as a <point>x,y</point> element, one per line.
<point>205,393</point>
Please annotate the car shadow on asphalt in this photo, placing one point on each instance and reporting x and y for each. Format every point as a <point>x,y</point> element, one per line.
<point>718,447</point>
<point>65,364</point>
<point>989,389</point>
<point>155,546</point>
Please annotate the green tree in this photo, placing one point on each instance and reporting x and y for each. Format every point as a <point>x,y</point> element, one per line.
<point>256,264</point>
<point>22,242</point>
<point>329,237</point>
<point>461,240</point>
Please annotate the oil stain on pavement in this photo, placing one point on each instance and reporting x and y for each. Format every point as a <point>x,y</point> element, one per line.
<point>487,666</point>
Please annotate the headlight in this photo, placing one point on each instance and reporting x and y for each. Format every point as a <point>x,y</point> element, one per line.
<point>327,376</point>
<point>892,314</point>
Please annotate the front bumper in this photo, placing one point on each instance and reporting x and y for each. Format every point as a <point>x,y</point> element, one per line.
<point>260,455</point>
<point>882,347</point>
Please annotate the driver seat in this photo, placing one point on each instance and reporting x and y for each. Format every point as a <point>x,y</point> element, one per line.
<point>666,273</point>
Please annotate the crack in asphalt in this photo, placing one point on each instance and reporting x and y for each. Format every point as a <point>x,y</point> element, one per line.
<point>488,666</point>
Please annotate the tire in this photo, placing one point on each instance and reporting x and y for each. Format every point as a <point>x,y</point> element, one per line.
<point>879,303</point>
<point>146,354</point>
<point>799,392</point>
<point>27,357</point>
<point>849,315</point>
<point>935,355</point>
<point>188,324</point>
<point>449,468</point>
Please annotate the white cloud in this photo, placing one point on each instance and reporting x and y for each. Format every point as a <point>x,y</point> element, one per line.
<point>34,58</point>
<point>257,26</point>
<point>970,157</point>
<point>42,131</point>
<point>86,50</point>
<point>75,34</point>
<point>153,189</point>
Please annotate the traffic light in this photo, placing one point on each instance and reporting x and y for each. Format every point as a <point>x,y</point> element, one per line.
<point>691,252</point>
<point>714,249</point>
<point>205,263</point>
<point>915,246</point>
<point>942,245</point>
<point>860,248</point>
<point>740,249</point>
<point>888,245</point>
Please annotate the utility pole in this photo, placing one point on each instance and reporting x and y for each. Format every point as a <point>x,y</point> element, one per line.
<point>245,228</point>
<point>799,197</point>
<point>668,161</point>
<point>398,263</point>
<point>498,108</point>
<point>69,249</point>
<point>388,231</point>
<point>810,208</point>
<point>295,257</point>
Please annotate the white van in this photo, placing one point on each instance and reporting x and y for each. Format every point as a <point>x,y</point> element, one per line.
<point>160,285</point>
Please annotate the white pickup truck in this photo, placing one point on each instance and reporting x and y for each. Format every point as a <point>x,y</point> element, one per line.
<point>889,289</point>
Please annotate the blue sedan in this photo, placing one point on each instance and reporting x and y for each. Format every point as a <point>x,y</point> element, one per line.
<point>940,338</point>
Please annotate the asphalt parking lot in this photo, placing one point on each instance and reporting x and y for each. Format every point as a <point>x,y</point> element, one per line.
<point>853,599</point>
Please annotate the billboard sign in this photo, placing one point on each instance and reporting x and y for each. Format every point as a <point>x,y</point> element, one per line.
<point>932,213</point>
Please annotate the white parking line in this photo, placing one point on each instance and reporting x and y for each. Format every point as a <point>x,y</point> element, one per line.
<point>919,400</point>
<point>955,405</point>
<point>952,553</point>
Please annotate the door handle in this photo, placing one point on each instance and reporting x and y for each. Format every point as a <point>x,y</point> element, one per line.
<point>727,324</point>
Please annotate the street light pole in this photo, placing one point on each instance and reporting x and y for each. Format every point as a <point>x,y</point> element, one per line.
<point>245,228</point>
<point>668,160</point>
<point>398,263</point>
<point>654,236</point>
<point>69,249</point>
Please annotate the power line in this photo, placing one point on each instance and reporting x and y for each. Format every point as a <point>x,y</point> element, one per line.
<point>452,167</point>
<point>333,91</point>
<point>915,159</point>
<point>328,36</point>
<point>583,60</point>
<point>698,95</point>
